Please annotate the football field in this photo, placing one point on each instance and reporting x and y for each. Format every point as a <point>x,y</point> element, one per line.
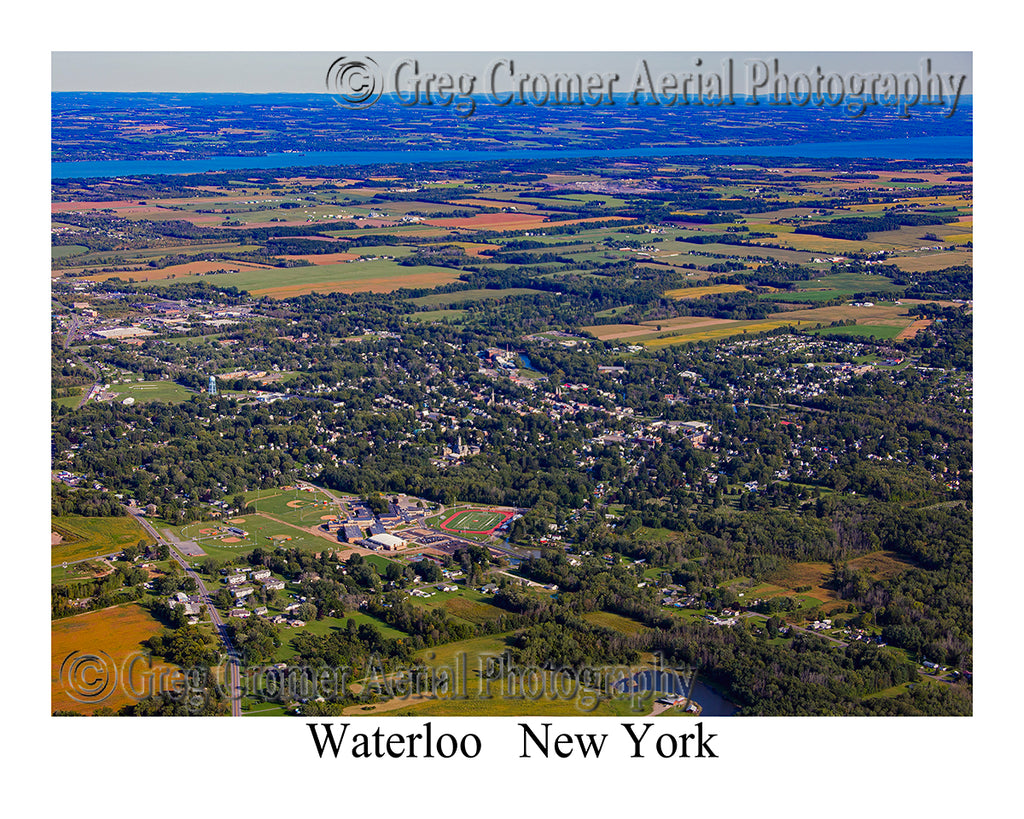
<point>476,521</point>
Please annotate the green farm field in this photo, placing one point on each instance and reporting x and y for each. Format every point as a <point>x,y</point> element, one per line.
<point>151,253</point>
<point>934,260</point>
<point>84,537</point>
<point>63,251</point>
<point>378,276</point>
<point>696,328</point>
<point>835,286</point>
<point>688,252</point>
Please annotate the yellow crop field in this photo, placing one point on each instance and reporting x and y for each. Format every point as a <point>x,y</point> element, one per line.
<point>823,244</point>
<point>119,675</point>
<point>640,332</point>
<point>881,564</point>
<point>937,260</point>
<point>733,329</point>
<point>471,248</point>
<point>698,292</point>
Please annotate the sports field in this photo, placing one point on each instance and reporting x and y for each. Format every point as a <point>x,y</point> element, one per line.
<point>296,506</point>
<point>476,521</point>
<point>145,392</point>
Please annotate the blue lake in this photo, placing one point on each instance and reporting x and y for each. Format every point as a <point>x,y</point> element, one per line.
<point>939,147</point>
<point>712,703</point>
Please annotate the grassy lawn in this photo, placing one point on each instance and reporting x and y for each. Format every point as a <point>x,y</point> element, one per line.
<point>378,562</point>
<point>69,400</point>
<point>616,622</point>
<point>659,535</point>
<point>264,709</point>
<point>445,316</point>
<point>63,251</point>
<point>191,341</point>
<point>686,615</point>
<point>881,564</point>
<point>329,625</point>
<point>78,571</point>
<point>893,691</point>
<point>613,311</point>
<point>491,645</point>
<point>465,604</point>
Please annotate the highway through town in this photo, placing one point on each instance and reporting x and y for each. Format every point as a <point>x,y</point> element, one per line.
<point>234,660</point>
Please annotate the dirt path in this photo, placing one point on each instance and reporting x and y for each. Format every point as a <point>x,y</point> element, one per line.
<point>391,705</point>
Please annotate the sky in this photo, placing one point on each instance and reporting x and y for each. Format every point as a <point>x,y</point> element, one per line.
<point>305,72</point>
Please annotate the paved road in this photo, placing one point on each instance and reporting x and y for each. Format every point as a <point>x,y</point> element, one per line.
<point>85,560</point>
<point>234,660</point>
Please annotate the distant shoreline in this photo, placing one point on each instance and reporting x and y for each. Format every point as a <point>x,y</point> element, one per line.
<point>952,148</point>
